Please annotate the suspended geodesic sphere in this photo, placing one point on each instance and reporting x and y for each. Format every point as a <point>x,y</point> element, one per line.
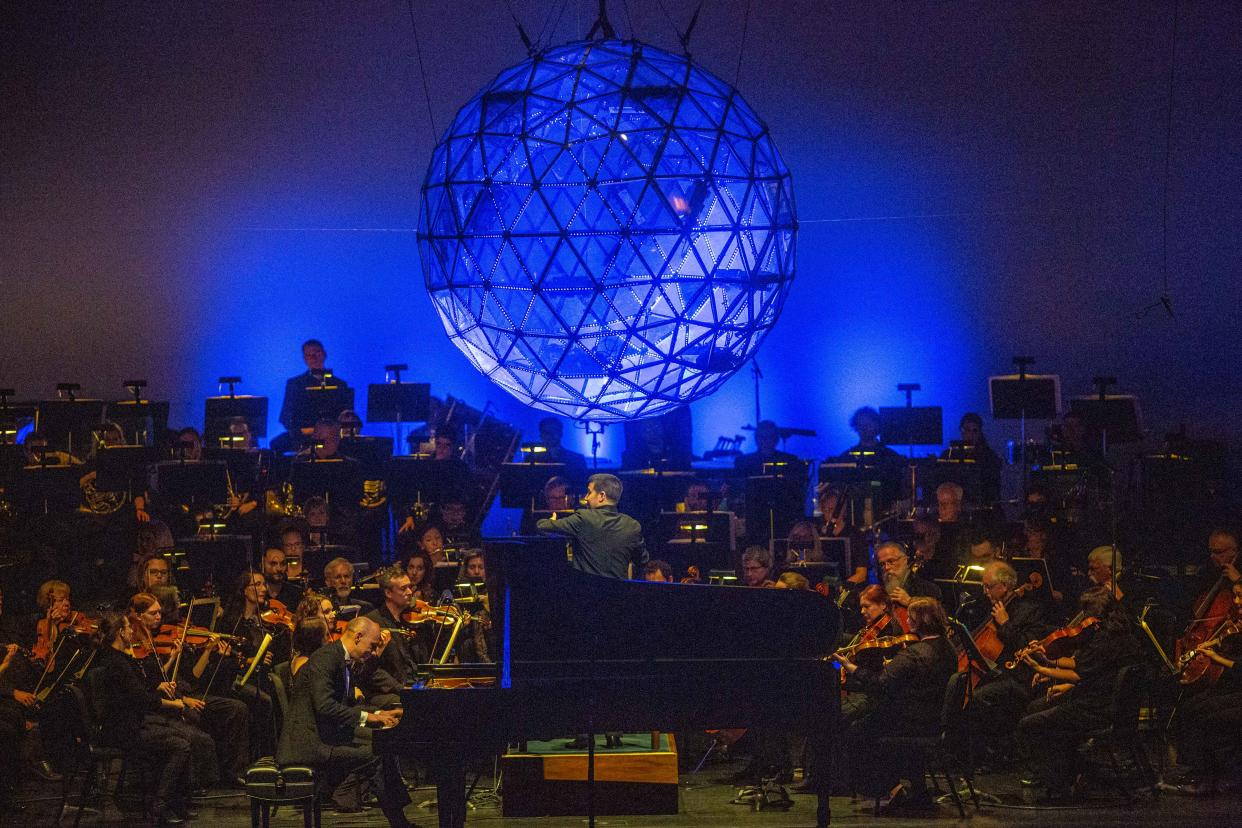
<point>607,231</point>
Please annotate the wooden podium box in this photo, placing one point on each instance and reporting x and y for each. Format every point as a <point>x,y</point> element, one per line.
<point>549,779</point>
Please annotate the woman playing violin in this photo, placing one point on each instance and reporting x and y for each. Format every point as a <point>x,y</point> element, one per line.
<point>131,709</point>
<point>53,600</point>
<point>1211,719</point>
<point>422,570</point>
<point>1080,693</point>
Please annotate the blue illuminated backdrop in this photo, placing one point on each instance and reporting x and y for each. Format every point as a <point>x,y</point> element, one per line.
<point>607,231</point>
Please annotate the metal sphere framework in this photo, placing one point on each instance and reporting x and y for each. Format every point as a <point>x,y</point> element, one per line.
<point>607,231</point>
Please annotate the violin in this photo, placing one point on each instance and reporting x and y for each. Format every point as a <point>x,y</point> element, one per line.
<point>45,632</point>
<point>880,644</point>
<point>423,612</point>
<point>337,630</point>
<point>1066,636</point>
<point>276,614</point>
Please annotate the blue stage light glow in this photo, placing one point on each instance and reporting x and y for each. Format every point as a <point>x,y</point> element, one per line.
<point>607,231</point>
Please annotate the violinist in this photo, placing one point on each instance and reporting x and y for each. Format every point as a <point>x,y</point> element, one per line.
<point>12,730</point>
<point>908,693</point>
<point>878,622</point>
<point>1209,721</point>
<point>421,571</point>
<point>1104,569</point>
<point>56,622</point>
<point>216,726</point>
<point>130,710</point>
<point>1018,619</point>
<point>276,574</point>
<point>338,581</point>
<point>398,661</point>
<point>1079,692</point>
<point>757,567</point>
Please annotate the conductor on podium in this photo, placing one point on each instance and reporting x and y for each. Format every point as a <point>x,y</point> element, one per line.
<point>605,541</point>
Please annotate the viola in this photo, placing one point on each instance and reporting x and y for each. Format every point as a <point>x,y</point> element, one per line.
<point>1057,643</point>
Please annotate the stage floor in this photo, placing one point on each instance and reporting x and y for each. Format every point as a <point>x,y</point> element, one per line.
<point>706,802</point>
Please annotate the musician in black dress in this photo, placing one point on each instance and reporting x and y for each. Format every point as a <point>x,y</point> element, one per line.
<point>908,693</point>
<point>134,713</point>
<point>1080,694</point>
<point>323,727</point>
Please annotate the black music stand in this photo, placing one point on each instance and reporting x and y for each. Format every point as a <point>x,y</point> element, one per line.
<point>143,421</point>
<point>701,539</point>
<point>416,477</point>
<point>399,402</point>
<point>1024,396</point>
<point>816,572</point>
<point>773,505</point>
<point>1114,416</point>
<point>338,480</point>
<point>219,410</point>
<point>198,484</point>
<point>124,468</point>
<point>321,402</point>
<point>371,453</point>
<point>912,425</point>
<point>521,484</point>
<point>216,559</point>
<point>48,489</point>
<point>70,425</point>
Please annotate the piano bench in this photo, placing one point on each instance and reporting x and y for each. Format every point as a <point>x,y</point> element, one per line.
<point>268,786</point>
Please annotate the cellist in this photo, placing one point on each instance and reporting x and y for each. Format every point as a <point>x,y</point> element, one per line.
<point>1212,719</point>
<point>1214,600</point>
<point>1018,620</point>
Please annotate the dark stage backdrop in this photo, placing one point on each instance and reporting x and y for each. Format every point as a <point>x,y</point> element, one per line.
<point>191,189</point>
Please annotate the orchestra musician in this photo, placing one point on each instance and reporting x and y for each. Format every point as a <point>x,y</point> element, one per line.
<point>835,523</point>
<point>556,495</point>
<point>309,635</point>
<point>276,574</point>
<point>803,544</point>
<point>605,541</point>
<point>132,711</point>
<point>657,571</point>
<point>757,567</point>
<point>1209,721</point>
<point>397,662</point>
<point>218,726</point>
<point>1079,694</point>
<point>431,540</point>
<point>338,580</point>
<point>315,357</point>
<point>907,693</point>
<point>421,569</point>
<point>1126,590</point>
<point>900,582</point>
<point>323,727</point>
<point>866,424</point>
<point>1019,619</point>
<point>878,621</point>
<point>551,433</point>
<point>767,437</point>
<point>974,447</point>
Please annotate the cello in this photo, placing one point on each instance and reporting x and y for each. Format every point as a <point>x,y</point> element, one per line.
<point>1211,611</point>
<point>986,636</point>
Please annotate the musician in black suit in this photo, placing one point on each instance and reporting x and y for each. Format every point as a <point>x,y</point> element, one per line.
<point>315,357</point>
<point>767,436</point>
<point>605,541</point>
<point>324,728</point>
<point>394,668</point>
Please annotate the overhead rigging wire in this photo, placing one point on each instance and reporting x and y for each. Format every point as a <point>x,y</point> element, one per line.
<point>1168,156</point>
<point>741,49</point>
<point>418,51</point>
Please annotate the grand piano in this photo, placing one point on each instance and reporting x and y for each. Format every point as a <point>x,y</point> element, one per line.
<point>576,653</point>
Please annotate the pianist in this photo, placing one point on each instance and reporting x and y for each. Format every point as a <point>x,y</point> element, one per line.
<point>323,728</point>
<point>605,541</point>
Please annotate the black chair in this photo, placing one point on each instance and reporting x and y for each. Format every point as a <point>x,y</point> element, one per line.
<point>1120,736</point>
<point>269,786</point>
<point>86,753</point>
<point>949,750</point>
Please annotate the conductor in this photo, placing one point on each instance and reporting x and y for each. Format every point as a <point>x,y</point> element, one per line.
<point>605,541</point>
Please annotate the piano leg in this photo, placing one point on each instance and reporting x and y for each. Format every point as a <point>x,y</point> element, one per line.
<point>451,789</point>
